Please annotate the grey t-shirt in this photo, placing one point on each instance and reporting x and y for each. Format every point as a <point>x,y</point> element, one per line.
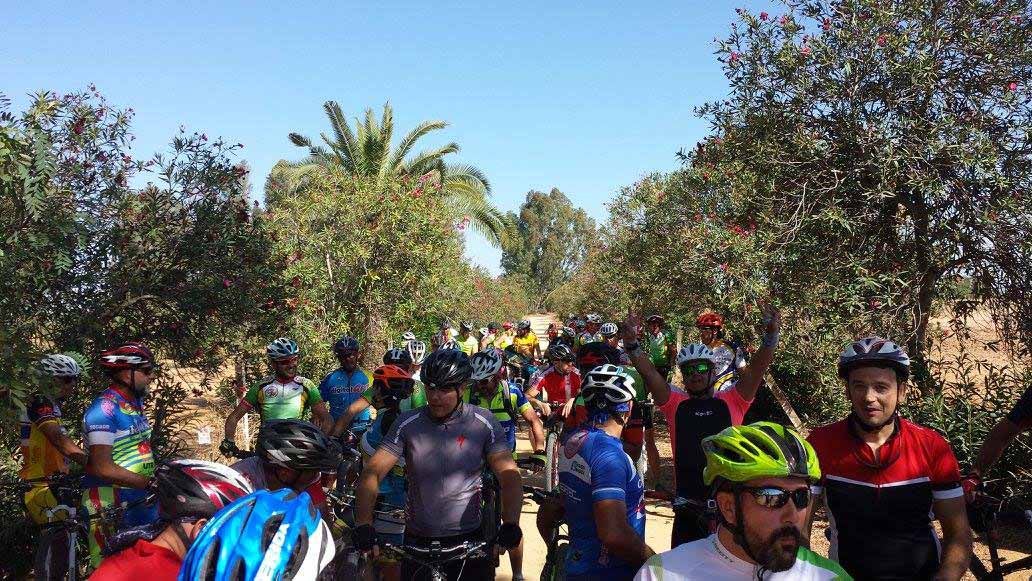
<point>443,464</point>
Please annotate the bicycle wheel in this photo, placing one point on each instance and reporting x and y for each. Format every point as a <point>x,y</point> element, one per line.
<point>552,461</point>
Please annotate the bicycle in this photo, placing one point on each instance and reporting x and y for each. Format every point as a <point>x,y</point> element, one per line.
<point>984,515</point>
<point>350,564</point>
<point>554,426</point>
<point>435,557</point>
<point>558,542</point>
<point>70,533</point>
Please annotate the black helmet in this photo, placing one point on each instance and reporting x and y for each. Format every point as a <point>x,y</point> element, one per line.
<point>345,344</point>
<point>196,488</point>
<point>596,353</point>
<point>560,352</point>
<point>298,445</point>
<point>493,326</point>
<point>446,368</point>
<point>397,356</point>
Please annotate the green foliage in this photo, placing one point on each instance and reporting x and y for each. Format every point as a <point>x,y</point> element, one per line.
<point>549,241</point>
<point>366,153</point>
<point>363,260</point>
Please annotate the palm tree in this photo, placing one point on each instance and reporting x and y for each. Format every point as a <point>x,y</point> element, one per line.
<point>366,152</point>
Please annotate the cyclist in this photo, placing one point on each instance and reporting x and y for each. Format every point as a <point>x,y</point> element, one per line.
<point>661,345</point>
<point>117,434</point>
<point>264,535</point>
<point>505,339</point>
<point>344,386</point>
<point>467,342</point>
<point>638,432</point>
<point>285,395</point>
<point>189,493</point>
<point>416,399</point>
<point>590,334</point>
<point>558,384</point>
<point>446,446</point>
<point>291,454</point>
<point>445,334</point>
<point>884,477</point>
<point>603,499</point>
<point>489,389</point>
<point>45,445</point>
<point>393,393</point>
<point>526,342</point>
<point>46,449</point>
<point>761,476</point>
<point>697,411</point>
<point>417,352</point>
<point>493,333</point>
<point>1003,433</point>
<point>729,358</point>
<point>566,336</point>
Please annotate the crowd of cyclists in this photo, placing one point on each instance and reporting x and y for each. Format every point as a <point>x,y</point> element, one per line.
<point>436,425</point>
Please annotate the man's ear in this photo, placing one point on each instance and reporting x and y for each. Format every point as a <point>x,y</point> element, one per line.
<point>726,505</point>
<point>198,526</point>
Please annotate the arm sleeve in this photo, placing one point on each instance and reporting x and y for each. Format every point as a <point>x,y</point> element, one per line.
<point>314,394</point>
<point>394,441</point>
<point>521,403</point>
<point>1022,411</point>
<point>498,441</point>
<point>370,393</point>
<point>668,408</point>
<point>99,423</point>
<point>609,475</point>
<point>251,397</point>
<point>945,471</point>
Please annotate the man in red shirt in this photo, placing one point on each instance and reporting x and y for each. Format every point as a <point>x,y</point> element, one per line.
<point>189,492</point>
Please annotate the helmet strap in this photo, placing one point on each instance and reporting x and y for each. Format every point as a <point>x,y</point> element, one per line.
<point>738,530</point>
<point>177,527</point>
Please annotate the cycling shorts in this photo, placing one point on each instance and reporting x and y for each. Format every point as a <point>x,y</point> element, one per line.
<point>42,507</point>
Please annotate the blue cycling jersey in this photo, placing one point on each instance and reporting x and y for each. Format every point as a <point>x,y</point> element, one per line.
<point>340,389</point>
<point>593,467</point>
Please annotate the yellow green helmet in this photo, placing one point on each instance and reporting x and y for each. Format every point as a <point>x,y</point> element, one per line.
<point>759,450</point>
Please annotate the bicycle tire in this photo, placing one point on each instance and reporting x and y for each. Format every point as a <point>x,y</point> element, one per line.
<point>552,462</point>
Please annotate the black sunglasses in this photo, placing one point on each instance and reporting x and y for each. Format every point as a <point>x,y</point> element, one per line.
<point>700,368</point>
<point>773,497</point>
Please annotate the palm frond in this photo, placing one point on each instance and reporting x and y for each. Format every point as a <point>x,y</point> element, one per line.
<point>467,173</point>
<point>345,137</point>
<point>299,140</point>
<point>425,161</point>
<point>409,141</point>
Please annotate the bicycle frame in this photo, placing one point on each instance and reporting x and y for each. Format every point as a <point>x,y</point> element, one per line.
<point>998,569</point>
<point>435,557</point>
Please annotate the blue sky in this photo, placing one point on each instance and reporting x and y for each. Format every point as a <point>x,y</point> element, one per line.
<point>586,98</point>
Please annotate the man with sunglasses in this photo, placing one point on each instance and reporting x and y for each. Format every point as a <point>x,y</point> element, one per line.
<point>120,462</point>
<point>344,386</point>
<point>446,446</point>
<point>285,395</point>
<point>696,412</point>
<point>885,477</point>
<point>761,476</point>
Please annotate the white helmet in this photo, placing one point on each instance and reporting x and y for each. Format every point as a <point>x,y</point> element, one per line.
<point>58,365</point>
<point>695,352</point>
<point>608,330</point>
<point>593,318</point>
<point>451,345</point>
<point>486,364</point>
<point>607,386</point>
<point>408,336</point>
<point>417,349</point>
<point>282,348</point>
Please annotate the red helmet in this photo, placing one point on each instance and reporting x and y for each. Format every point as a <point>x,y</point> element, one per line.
<point>710,320</point>
<point>507,325</point>
<point>393,380</point>
<point>127,356</point>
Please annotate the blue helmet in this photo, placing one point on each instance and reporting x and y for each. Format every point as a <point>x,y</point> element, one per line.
<point>264,535</point>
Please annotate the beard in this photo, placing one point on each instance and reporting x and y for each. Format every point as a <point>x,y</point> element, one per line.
<point>774,554</point>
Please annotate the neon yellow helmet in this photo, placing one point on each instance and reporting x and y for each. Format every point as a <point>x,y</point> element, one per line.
<point>759,450</point>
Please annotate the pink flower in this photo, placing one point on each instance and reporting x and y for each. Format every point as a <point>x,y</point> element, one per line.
<point>827,24</point>
<point>723,266</point>
<point>226,283</point>
<point>734,56</point>
<point>783,20</point>
<point>1013,86</point>
<point>417,192</point>
<point>881,40</point>
<point>805,50</point>
<point>204,137</point>
<point>763,15</point>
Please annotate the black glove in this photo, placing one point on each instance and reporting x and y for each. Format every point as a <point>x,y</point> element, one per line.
<point>228,447</point>
<point>363,537</point>
<point>509,536</point>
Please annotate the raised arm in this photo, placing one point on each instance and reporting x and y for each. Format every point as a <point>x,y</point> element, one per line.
<point>654,382</point>
<point>751,376</point>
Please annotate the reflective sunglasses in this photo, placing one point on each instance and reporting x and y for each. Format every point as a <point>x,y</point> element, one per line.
<point>700,368</point>
<point>773,497</point>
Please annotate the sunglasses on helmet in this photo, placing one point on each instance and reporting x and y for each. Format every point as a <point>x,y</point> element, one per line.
<point>773,497</point>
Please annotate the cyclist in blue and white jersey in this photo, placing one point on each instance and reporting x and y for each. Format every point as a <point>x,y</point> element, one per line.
<point>603,497</point>
<point>344,386</point>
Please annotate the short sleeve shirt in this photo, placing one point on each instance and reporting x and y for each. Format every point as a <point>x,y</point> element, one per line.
<point>116,421</point>
<point>469,345</point>
<point>443,464</point>
<point>40,458</point>
<point>525,345</point>
<point>498,407</point>
<point>143,560</point>
<point>341,388</point>
<point>282,401</point>
<point>658,346</point>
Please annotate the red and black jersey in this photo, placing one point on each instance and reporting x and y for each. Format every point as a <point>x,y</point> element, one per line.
<point>880,503</point>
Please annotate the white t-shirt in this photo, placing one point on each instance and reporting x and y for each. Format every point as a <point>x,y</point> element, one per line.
<point>708,560</point>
